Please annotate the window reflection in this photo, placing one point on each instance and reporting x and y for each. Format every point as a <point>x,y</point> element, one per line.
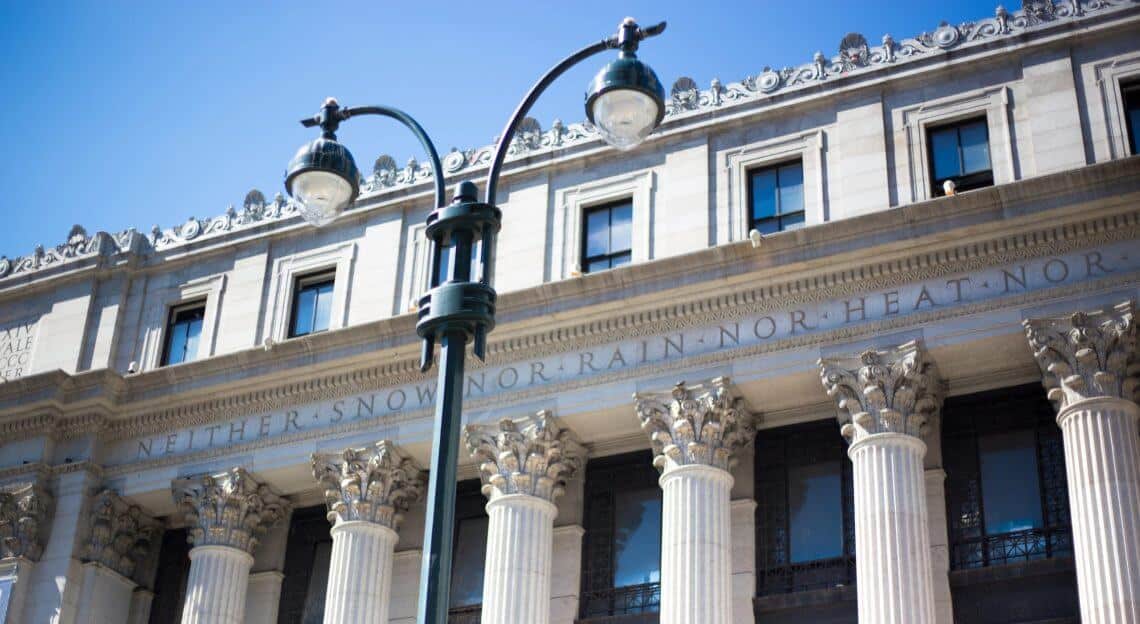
<point>608,238</point>
<point>312,305</point>
<point>182,333</point>
<point>814,504</point>
<point>777,196</point>
<point>637,538</point>
<point>960,152</point>
<point>1009,481</point>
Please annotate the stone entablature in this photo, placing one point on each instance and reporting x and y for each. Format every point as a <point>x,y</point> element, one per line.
<point>228,509</point>
<point>856,60</point>
<point>1087,355</point>
<point>534,456</point>
<point>375,484</point>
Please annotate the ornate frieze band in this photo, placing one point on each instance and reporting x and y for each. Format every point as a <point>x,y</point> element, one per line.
<point>534,456</point>
<point>1086,355</point>
<point>121,535</point>
<point>25,515</point>
<point>702,424</point>
<point>228,509</point>
<point>374,484</point>
<point>895,390</point>
<point>855,56</point>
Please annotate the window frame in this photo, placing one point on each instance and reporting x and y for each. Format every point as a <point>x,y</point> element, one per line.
<point>965,420</point>
<point>301,283</point>
<point>641,602</point>
<point>570,202</point>
<point>168,332</point>
<point>813,442</point>
<point>584,260</point>
<point>964,182</point>
<point>751,173</point>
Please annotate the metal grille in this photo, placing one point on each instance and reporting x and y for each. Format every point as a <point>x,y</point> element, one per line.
<point>606,479</point>
<point>465,615</point>
<point>968,418</point>
<point>776,451</point>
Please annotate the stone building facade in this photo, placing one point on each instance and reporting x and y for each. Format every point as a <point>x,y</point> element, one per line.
<point>849,341</point>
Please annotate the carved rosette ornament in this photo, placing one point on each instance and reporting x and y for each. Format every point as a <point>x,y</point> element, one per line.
<point>374,484</point>
<point>701,424</point>
<point>896,390</point>
<point>229,509</point>
<point>24,520</point>
<point>121,535</point>
<point>1084,356</point>
<point>535,457</point>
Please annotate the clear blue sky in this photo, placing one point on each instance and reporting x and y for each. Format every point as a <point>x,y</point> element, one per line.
<point>120,114</point>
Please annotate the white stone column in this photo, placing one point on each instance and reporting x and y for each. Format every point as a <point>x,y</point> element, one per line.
<point>524,467</point>
<point>1091,369</point>
<point>226,514</point>
<point>368,490</point>
<point>694,431</point>
<point>24,517</point>
<point>885,399</point>
<point>121,537</point>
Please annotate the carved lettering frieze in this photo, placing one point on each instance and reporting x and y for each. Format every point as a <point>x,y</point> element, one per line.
<point>768,324</point>
<point>17,343</point>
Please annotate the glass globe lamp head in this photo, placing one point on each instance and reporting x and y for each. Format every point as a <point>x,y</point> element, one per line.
<point>323,179</point>
<point>625,102</point>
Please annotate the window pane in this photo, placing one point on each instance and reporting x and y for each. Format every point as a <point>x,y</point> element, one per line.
<point>323,308</point>
<point>597,232</point>
<point>444,263</point>
<point>621,228</point>
<point>944,153</point>
<point>1010,487</point>
<point>975,148</point>
<point>791,188</point>
<point>176,352</point>
<point>193,331</point>
<point>763,194</point>
<point>792,221</point>
<point>1134,120</point>
<point>467,562</point>
<point>303,311</point>
<point>637,537</point>
<point>318,583</point>
<point>815,511</point>
<point>766,226</point>
<point>597,265</point>
<point>619,260</point>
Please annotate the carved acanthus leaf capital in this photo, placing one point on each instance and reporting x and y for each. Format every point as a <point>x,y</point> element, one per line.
<point>121,535</point>
<point>228,509</point>
<point>896,390</point>
<point>1087,355</point>
<point>24,520</point>
<point>533,456</point>
<point>373,484</point>
<point>703,424</point>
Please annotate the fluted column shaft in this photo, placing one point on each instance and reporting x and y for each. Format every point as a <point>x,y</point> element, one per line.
<point>891,529</point>
<point>696,545</point>
<point>1102,457</point>
<point>516,576</point>
<point>215,589</point>
<point>360,572</point>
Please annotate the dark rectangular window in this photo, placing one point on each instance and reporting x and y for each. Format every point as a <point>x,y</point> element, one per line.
<point>777,197</point>
<point>170,580</point>
<point>1131,93</point>
<point>960,152</point>
<point>183,329</point>
<point>621,553</point>
<point>1007,498</point>
<point>805,518</point>
<point>607,236</point>
<point>312,304</point>
<point>469,554</point>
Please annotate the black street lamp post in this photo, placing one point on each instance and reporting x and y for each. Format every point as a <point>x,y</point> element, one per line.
<point>625,102</point>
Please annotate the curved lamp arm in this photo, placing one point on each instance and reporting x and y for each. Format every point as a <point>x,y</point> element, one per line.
<point>610,43</point>
<point>411,124</point>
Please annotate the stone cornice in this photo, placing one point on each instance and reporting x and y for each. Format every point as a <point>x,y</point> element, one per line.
<point>939,237</point>
<point>857,62</point>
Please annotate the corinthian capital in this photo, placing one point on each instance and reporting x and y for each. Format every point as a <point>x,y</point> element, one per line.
<point>1088,355</point>
<point>374,484</point>
<point>228,509</point>
<point>24,520</point>
<point>896,390</point>
<point>534,456</point>
<point>122,536</point>
<point>701,424</point>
